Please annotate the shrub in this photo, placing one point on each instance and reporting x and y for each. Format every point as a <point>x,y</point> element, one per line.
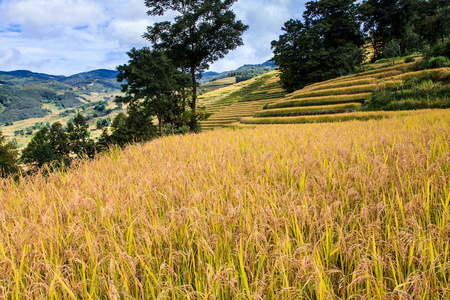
<point>409,59</point>
<point>438,62</point>
<point>8,157</point>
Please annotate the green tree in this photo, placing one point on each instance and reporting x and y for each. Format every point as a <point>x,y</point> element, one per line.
<point>432,21</point>
<point>392,50</point>
<point>127,129</point>
<point>325,45</point>
<point>8,157</point>
<point>121,133</point>
<point>39,150</point>
<point>104,122</point>
<point>153,85</point>
<point>203,32</point>
<point>57,146</point>
<point>387,20</point>
<point>78,135</point>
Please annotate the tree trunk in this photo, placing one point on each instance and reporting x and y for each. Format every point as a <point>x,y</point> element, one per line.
<point>194,101</point>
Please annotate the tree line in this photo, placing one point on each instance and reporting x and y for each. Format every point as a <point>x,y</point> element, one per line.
<point>329,40</point>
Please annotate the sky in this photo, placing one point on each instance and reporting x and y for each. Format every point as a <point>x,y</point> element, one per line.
<point>65,37</point>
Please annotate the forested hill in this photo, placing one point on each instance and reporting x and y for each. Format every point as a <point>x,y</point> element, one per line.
<point>247,70</point>
<point>25,94</point>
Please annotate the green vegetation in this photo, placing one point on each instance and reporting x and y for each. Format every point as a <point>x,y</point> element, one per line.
<point>422,89</point>
<point>326,100</point>
<point>8,157</point>
<point>58,146</point>
<point>326,44</point>
<point>24,95</point>
<point>103,122</point>
<point>309,110</point>
<point>154,87</point>
<point>245,70</point>
<point>202,33</point>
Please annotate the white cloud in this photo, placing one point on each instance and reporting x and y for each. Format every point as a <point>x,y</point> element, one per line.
<point>9,56</point>
<point>265,19</point>
<point>70,36</point>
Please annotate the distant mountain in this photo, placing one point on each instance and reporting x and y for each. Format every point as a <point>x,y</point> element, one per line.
<point>91,76</point>
<point>23,93</point>
<point>264,67</point>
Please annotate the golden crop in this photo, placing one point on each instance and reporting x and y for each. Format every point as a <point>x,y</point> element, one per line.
<point>315,211</point>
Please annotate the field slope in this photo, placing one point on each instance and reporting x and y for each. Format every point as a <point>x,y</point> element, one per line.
<point>358,96</point>
<point>314,211</point>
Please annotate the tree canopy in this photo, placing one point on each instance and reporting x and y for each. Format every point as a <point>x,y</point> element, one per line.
<point>203,32</point>
<point>8,157</point>
<point>153,87</point>
<point>58,145</point>
<point>324,45</point>
<point>328,41</point>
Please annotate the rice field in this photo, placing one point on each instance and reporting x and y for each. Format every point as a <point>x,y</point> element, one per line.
<point>309,110</point>
<point>227,105</point>
<point>263,98</point>
<point>321,100</point>
<point>354,210</point>
<point>329,117</point>
<point>218,84</point>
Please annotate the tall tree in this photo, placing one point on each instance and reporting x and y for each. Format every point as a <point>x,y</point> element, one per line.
<point>432,21</point>
<point>8,157</point>
<point>203,32</point>
<point>387,20</point>
<point>57,145</point>
<point>48,146</point>
<point>325,45</point>
<point>78,136</point>
<point>153,85</point>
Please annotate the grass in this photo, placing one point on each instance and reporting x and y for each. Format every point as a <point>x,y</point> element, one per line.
<point>324,118</point>
<point>324,100</point>
<point>340,84</point>
<point>314,211</point>
<point>218,84</point>
<point>309,110</point>
<point>348,90</point>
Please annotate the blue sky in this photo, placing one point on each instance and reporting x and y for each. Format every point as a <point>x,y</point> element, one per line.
<point>64,37</point>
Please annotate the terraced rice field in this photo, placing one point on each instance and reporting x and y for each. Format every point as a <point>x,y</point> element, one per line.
<point>228,105</point>
<point>261,100</point>
<point>218,84</point>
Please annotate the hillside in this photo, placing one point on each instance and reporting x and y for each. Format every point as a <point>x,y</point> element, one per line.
<point>245,69</point>
<point>311,211</point>
<point>25,95</point>
<point>362,95</point>
<point>228,104</point>
<point>28,100</point>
